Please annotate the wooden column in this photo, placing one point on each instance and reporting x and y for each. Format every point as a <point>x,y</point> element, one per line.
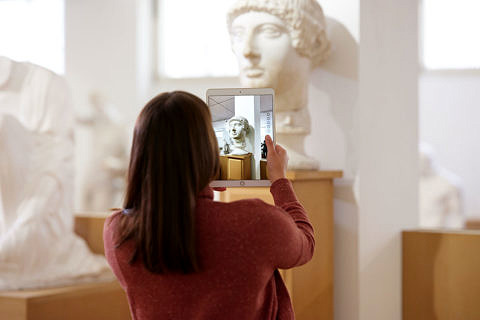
<point>311,285</point>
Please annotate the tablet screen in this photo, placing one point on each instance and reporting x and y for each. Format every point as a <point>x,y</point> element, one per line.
<point>241,123</point>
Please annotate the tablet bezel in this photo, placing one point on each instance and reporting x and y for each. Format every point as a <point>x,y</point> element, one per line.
<point>243,92</point>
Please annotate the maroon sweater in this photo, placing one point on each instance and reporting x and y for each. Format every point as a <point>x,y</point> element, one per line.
<point>240,246</point>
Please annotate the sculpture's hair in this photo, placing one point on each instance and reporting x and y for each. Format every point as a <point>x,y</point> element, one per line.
<point>243,121</point>
<point>174,156</point>
<point>304,19</point>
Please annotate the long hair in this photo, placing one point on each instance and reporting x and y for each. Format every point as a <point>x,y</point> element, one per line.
<point>174,156</point>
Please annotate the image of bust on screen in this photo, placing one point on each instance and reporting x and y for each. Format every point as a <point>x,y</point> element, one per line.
<point>238,128</point>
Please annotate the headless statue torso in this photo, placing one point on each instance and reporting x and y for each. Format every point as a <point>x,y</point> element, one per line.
<point>37,245</point>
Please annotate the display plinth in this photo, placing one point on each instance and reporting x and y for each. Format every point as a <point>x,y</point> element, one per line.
<point>90,228</point>
<point>95,301</point>
<point>236,167</point>
<point>441,278</point>
<point>311,285</point>
<point>472,224</point>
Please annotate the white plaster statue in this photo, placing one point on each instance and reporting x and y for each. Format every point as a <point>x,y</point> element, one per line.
<point>104,165</point>
<point>38,247</point>
<point>278,44</point>
<point>440,194</point>
<point>238,128</point>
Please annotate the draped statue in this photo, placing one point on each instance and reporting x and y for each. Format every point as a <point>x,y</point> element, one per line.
<point>38,247</point>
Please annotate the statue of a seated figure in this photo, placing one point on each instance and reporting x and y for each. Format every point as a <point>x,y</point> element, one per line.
<point>38,247</point>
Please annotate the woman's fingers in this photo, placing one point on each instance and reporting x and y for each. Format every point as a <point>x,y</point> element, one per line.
<point>279,149</point>
<point>269,143</point>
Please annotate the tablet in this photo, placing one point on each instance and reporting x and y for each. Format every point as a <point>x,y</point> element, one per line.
<point>241,119</point>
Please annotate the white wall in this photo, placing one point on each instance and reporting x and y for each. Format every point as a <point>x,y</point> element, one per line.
<point>388,151</point>
<point>101,50</point>
<point>346,12</point>
<point>450,123</point>
<point>100,56</point>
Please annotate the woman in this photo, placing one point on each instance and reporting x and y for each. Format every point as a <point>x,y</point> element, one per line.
<point>180,255</point>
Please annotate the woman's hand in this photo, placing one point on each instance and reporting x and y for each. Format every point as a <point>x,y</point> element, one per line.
<point>277,160</point>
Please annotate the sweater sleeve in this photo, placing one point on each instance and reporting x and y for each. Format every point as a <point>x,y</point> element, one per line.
<point>289,237</point>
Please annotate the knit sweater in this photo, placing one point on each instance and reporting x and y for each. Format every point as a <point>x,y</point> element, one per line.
<point>240,245</point>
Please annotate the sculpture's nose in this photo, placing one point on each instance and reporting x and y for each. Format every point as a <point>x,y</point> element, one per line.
<point>250,49</point>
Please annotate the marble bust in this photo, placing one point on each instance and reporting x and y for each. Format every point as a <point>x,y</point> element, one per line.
<point>238,128</point>
<point>277,45</point>
<point>38,247</point>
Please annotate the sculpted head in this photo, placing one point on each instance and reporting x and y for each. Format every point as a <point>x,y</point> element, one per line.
<point>277,39</point>
<point>238,128</point>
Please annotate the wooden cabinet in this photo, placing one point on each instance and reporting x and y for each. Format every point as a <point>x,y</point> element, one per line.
<point>311,285</point>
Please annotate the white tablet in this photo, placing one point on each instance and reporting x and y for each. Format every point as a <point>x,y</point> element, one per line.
<point>241,119</point>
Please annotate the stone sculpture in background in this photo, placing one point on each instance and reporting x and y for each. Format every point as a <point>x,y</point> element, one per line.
<point>238,128</point>
<point>440,194</point>
<point>104,165</point>
<point>278,44</point>
<point>38,247</point>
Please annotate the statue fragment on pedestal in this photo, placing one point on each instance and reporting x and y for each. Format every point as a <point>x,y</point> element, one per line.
<point>103,171</point>
<point>38,247</point>
<point>440,193</point>
<point>277,44</point>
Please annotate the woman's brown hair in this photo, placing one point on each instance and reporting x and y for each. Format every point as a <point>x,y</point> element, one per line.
<point>174,156</point>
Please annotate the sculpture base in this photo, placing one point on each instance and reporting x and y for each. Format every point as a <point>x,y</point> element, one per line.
<point>98,301</point>
<point>440,274</point>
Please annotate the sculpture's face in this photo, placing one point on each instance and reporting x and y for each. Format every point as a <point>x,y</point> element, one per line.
<point>264,50</point>
<point>236,130</point>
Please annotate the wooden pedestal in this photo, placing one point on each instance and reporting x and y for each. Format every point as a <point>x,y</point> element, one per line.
<point>441,275</point>
<point>93,301</point>
<point>311,285</point>
<point>234,167</point>
<point>96,301</point>
<point>472,224</point>
<point>90,228</point>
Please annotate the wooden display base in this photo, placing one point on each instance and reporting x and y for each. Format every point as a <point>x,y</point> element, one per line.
<point>472,224</point>
<point>311,285</point>
<point>90,228</point>
<point>93,301</point>
<point>97,301</point>
<point>441,274</point>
